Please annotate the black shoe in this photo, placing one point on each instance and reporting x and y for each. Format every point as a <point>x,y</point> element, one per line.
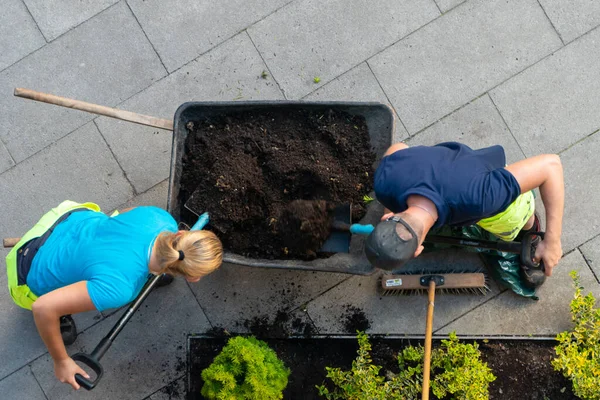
<point>532,275</point>
<point>68,330</point>
<point>164,280</point>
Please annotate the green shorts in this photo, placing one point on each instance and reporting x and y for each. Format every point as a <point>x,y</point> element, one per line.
<point>509,222</point>
<point>21,294</point>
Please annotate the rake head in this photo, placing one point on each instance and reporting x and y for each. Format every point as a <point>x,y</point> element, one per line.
<point>472,283</point>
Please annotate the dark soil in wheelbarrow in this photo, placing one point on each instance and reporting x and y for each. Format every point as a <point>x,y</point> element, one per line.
<point>522,368</point>
<point>245,169</point>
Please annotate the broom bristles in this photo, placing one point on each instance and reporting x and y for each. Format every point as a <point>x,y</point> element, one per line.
<point>472,283</point>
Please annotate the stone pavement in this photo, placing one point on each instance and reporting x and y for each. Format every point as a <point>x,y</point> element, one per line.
<point>521,73</point>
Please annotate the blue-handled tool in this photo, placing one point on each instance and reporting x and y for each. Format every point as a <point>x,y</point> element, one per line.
<point>201,223</point>
<point>358,229</point>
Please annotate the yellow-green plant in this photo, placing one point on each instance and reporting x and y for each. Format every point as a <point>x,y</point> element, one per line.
<point>457,370</point>
<point>578,350</point>
<point>367,199</point>
<point>246,369</point>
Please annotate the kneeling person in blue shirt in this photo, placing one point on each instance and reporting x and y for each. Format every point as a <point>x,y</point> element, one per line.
<point>425,187</point>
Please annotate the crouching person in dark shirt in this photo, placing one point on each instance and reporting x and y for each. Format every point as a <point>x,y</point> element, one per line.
<point>425,187</point>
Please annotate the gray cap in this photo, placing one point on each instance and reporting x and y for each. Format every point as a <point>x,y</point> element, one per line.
<point>388,251</point>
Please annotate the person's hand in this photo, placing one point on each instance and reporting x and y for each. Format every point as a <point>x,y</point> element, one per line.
<point>65,371</point>
<point>550,252</point>
<point>386,216</point>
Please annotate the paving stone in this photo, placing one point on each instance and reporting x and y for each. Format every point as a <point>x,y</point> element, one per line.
<point>234,294</point>
<point>572,18</point>
<point>174,390</point>
<point>55,17</point>
<point>459,56</point>
<point>155,196</point>
<point>477,125</point>
<point>404,314</point>
<point>182,30</point>
<point>446,5</point>
<point>509,314</point>
<point>553,104</point>
<point>581,221</point>
<point>21,385</point>
<point>6,160</point>
<point>591,252</point>
<point>19,35</point>
<point>105,60</point>
<point>229,72</point>
<point>358,84</point>
<point>149,353</point>
<point>312,38</point>
<point>78,167</point>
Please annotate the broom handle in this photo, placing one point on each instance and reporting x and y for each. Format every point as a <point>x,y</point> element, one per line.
<point>95,109</point>
<point>428,333</point>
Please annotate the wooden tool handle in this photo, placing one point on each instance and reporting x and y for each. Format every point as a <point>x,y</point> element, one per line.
<point>428,333</point>
<point>10,242</point>
<point>95,109</point>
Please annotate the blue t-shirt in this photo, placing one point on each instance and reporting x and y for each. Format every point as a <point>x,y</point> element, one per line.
<point>110,253</point>
<point>465,185</point>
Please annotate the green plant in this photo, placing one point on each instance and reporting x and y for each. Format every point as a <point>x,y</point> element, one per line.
<point>457,369</point>
<point>578,350</point>
<point>367,199</point>
<point>316,79</point>
<point>246,369</point>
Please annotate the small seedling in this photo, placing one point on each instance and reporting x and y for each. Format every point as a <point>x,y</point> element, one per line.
<point>264,74</point>
<point>316,79</point>
<point>367,199</point>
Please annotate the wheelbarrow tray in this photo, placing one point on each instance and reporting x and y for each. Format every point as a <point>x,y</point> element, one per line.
<point>380,123</point>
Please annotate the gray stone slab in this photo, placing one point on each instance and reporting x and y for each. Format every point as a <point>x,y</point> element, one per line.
<point>19,35</point>
<point>403,314</point>
<point>21,385</point>
<point>581,220</point>
<point>358,84</point>
<point>229,72</point>
<point>174,390</point>
<point>235,294</point>
<point>105,60</point>
<point>553,104</point>
<point>6,160</point>
<point>181,31</point>
<point>55,17</point>
<point>509,314</point>
<point>477,125</point>
<point>149,353</point>
<point>155,196</point>
<point>572,18</point>
<point>458,57</point>
<point>312,38</point>
<point>19,340</point>
<point>446,5</point>
<point>591,252</point>
<point>78,167</point>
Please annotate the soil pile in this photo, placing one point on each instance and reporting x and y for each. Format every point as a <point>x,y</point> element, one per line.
<point>245,168</point>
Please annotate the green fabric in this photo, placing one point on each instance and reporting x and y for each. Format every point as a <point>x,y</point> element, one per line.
<point>21,294</point>
<point>504,267</point>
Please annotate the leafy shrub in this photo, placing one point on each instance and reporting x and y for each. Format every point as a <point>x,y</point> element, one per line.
<point>246,369</point>
<point>578,350</point>
<point>456,368</point>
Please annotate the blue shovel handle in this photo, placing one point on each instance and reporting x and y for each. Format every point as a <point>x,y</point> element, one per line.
<point>201,223</point>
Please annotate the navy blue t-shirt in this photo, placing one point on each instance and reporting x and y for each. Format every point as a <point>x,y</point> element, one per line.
<point>465,185</point>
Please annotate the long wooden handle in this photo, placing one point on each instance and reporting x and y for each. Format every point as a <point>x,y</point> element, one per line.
<point>10,242</point>
<point>428,333</point>
<point>95,109</point>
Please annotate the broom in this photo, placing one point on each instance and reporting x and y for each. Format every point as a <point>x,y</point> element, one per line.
<point>471,283</point>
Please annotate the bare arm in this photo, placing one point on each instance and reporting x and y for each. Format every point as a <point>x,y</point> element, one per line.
<point>47,311</point>
<point>545,171</point>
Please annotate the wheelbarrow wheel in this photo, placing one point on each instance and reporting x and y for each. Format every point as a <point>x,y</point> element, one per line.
<point>68,329</point>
